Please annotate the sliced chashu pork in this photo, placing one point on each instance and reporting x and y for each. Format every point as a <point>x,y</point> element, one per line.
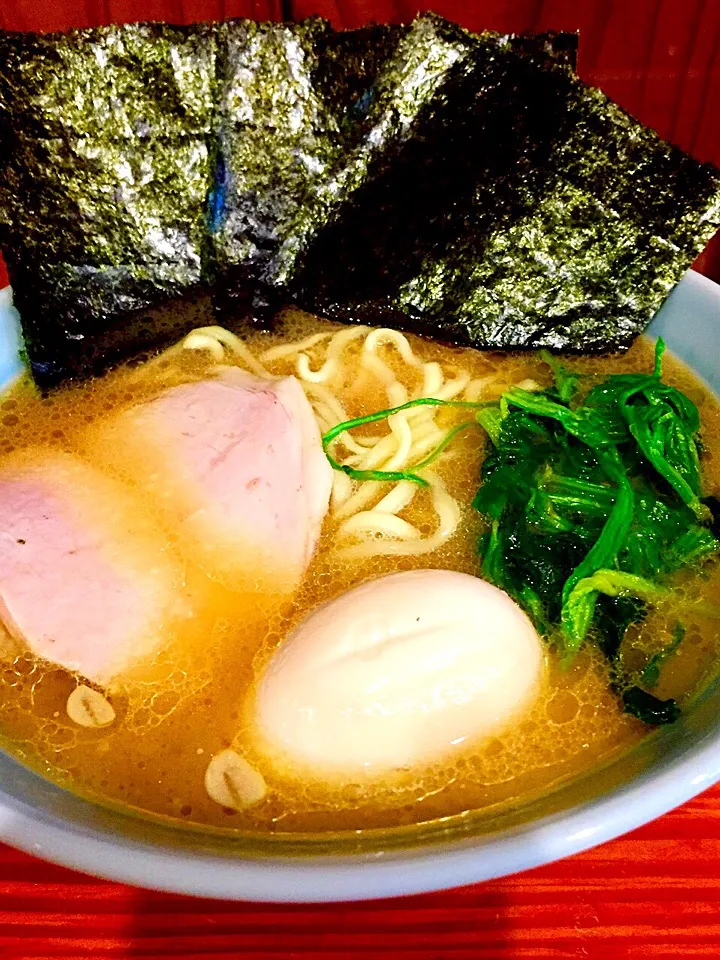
<point>86,581</point>
<point>237,466</point>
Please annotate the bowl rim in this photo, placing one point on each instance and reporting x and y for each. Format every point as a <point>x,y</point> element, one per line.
<point>351,877</point>
<point>367,876</point>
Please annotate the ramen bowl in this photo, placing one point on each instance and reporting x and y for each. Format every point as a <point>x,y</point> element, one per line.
<point>668,767</point>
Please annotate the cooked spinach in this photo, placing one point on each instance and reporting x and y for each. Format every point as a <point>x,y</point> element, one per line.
<point>592,502</point>
<point>713,505</point>
<point>649,708</point>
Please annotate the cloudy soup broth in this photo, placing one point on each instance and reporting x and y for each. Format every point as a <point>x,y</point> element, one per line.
<point>188,696</point>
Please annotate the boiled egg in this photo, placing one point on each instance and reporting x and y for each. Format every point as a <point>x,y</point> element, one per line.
<point>398,673</point>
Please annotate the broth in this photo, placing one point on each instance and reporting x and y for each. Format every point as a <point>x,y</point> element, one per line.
<point>188,702</point>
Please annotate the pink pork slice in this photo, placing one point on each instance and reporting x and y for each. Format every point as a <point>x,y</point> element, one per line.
<point>237,466</point>
<point>85,580</point>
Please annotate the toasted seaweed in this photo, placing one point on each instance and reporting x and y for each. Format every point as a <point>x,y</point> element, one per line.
<point>105,136</point>
<point>464,185</point>
<point>308,119</point>
<point>517,208</point>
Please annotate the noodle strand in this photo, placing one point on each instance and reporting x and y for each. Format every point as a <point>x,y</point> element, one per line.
<point>368,512</point>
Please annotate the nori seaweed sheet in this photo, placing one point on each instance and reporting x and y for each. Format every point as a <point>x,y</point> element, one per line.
<point>308,118</point>
<point>287,109</point>
<point>467,186</point>
<point>521,209</point>
<point>104,137</point>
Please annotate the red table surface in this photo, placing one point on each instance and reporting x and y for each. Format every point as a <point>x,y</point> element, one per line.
<point>653,893</point>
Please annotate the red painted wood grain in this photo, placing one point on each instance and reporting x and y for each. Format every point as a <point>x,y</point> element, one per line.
<point>49,15</point>
<point>652,894</point>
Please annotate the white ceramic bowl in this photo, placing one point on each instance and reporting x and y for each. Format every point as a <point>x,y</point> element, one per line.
<point>670,766</point>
